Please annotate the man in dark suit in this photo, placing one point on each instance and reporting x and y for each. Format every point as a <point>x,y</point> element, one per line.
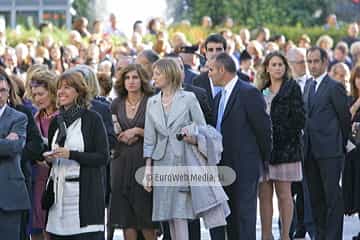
<point>189,58</point>
<point>14,195</point>
<point>326,134</point>
<point>240,115</point>
<point>214,45</point>
<point>302,221</point>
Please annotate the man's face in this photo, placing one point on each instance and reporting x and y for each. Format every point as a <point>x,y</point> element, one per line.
<point>4,93</point>
<point>215,73</point>
<point>298,65</point>
<point>316,65</point>
<point>213,49</point>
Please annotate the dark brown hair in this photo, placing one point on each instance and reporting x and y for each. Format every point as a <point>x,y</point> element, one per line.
<point>143,75</point>
<point>263,77</point>
<point>355,73</point>
<point>14,99</point>
<point>77,81</point>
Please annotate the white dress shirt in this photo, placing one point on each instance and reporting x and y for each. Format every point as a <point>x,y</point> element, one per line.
<point>229,88</point>
<point>319,80</point>
<point>302,81</point>
<point>2,110</point>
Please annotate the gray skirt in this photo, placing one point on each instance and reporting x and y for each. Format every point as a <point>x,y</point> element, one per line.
<point>171,202</point>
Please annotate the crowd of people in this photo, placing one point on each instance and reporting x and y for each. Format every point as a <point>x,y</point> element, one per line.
<point>78,121</point>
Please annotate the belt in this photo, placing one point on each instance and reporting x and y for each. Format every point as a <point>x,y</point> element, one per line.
<point>72,179</point>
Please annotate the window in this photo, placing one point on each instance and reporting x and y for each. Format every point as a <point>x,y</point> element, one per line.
<point>27,19</point>
<point>58,18</point>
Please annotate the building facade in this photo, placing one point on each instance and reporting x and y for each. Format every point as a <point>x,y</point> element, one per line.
<point>32,12</point>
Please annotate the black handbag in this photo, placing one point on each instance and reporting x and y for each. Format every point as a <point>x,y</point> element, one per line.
<point>48,197</point>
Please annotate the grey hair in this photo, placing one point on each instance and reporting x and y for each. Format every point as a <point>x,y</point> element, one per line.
<point>90,78</point>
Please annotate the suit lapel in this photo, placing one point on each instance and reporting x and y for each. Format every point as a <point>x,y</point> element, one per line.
<point>159,111</point>
<point>319,92</point>
<point>216,108</point>
<point>231,100</point>
<point>4,120</point>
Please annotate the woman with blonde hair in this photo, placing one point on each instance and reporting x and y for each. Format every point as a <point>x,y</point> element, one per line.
<point>43,95</point>
<point>166,144</point>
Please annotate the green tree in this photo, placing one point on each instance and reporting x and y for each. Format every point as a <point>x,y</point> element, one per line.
<point>82,8</point>
<point>258,12</point>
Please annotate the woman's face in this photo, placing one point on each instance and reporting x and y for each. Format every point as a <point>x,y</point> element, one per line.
<point>276,68</point>
<point>66,95</point>
<point>55,53</point>
<point>160,80</point>
<point>132,82</point>
<point>41,97</point>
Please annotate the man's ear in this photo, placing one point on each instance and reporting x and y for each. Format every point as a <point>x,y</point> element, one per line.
<point>222,69</point>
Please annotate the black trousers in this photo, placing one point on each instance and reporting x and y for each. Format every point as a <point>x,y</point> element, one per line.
<point>82,236</point>
<point>10,222</point>
<point>326,199</point>
<point>194,230</point>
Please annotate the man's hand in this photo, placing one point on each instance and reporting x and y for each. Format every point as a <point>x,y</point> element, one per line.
<point>12,136</point>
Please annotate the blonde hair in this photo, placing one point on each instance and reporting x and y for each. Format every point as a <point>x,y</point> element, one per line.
<point>29,73</point>
<point>46,79</point>
<point>325,39</point>
<point>170,68</point>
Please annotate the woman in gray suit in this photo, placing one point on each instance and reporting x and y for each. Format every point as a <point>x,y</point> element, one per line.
<point>167,113</point>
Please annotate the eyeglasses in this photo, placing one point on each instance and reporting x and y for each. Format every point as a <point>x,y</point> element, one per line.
<point>4,90</point>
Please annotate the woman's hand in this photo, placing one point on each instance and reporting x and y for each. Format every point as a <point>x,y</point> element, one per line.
<point>129,136</point>
<point>147,181</point>
<point>61,152</point>
<point>187,138</point>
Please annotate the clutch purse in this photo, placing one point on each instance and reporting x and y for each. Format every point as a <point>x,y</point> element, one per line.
<point>48,197</point>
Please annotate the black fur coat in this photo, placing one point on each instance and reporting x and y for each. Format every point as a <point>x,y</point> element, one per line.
<point>288,118</point>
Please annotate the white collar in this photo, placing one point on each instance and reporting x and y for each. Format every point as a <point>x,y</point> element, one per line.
<point>319,79</point>
<point>2,110</point>
<point>229,88</point>
<point>303,78</point>
<point>230,85</point>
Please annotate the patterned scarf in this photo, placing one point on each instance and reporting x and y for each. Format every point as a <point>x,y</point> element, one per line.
<point>65,119</point>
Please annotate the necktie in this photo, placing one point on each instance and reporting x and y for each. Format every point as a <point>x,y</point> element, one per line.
<point>312,92</point>
<point>221,110</point>
<point>217,90</point>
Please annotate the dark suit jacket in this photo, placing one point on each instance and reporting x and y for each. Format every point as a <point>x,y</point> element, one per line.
<point>189,74</point>
<point>103,108</point>
<point>243,76</point>
<point>328,120</point>
<point>203,81</point>
<point>34,146</point>
<point>205,103</point>
<point>13,192</point>
<point>246,130</point>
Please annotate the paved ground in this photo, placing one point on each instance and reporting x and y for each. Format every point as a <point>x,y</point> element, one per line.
<point>351,227</point>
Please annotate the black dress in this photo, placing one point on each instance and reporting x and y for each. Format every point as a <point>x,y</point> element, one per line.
<point>130,204</point>
<point>351,178</point>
